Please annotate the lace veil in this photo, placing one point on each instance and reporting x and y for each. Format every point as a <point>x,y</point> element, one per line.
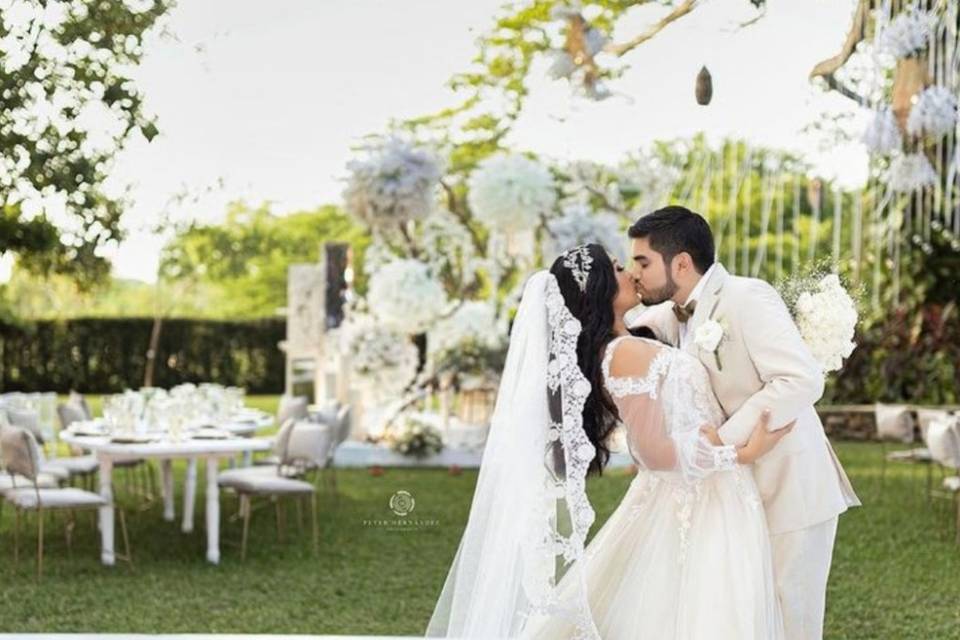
<point>530,514</point>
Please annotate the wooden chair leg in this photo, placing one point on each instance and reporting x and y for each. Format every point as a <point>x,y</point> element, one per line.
<point>68,532</point>
<point>245,509</point>
<point>16,538</point>
<point>316,531</point>
<point>883,463</point>
<point>279,510</point>
<point>957,524</point>
<point>39,543</point>
<point>126,538</point>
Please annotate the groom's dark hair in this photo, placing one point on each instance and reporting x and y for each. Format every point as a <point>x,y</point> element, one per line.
<point>675,229</point>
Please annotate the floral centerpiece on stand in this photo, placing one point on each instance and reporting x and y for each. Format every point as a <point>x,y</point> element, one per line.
<point>413,436</point>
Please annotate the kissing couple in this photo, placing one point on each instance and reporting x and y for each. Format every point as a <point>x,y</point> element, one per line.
<point>727,530</point>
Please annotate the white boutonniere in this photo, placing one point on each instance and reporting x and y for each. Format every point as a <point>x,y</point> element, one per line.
<point>708,337</point>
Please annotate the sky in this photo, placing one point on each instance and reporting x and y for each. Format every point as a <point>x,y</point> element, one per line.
<point>267,105</point>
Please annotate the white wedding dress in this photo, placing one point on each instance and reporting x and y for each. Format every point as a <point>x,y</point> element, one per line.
<point>686,555</point>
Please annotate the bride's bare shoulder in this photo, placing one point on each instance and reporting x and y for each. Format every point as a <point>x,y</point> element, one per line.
<point>632,356</point>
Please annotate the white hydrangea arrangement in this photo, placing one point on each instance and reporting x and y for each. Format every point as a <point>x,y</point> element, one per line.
<point>413,436</point>
<point>471,342</point>
<point>827,318</point>
<point>404,295</point>
<point>394,184</point>
<point>934,113</point>
<point>474,322</point>
<point>882,135</point>
<point>910,172</point>
<point>907,34</point>
<point>509,193</point>
<point>384,359</point>
<point>580,225</point>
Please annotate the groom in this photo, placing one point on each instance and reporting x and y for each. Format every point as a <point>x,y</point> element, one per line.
<point>741,331</point>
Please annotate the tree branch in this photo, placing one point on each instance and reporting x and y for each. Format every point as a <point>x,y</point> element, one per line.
<point>827,68</point>
<point>679,11</point>
<point>453,204</point>
<point>844,90</point>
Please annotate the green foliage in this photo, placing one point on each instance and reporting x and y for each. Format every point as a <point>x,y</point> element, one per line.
<point>907,355</point>
<point>63,60</point>
<point>241,264</point>
<point>108,355</point>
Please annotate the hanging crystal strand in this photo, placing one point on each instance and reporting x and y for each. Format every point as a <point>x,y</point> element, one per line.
<point>856,235</point>
<point>896,265</point>
<point>878,242</point>
<point>940,78</point>
<point>705,186</point>
<point>691,179</point>
<point>953,81</point>
<point>735,209</point>
<point>743,170</point>
<point>795,259</point>
<point>722,215</point>
<point>781,196</point>
<point>768,192</point>
<point>815,227</point>
<point>837,223</point>
<point>745,245</point>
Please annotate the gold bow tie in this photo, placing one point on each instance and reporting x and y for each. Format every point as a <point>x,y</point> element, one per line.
<point>684,312</point>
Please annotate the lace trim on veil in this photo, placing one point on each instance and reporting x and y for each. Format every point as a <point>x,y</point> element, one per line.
<point>567,490</point>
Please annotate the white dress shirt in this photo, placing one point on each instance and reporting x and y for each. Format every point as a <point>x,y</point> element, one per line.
<point>694,295</point>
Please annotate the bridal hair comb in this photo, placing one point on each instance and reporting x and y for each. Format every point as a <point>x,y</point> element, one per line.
<point>578,260</point>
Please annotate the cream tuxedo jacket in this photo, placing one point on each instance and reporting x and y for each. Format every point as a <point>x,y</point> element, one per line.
<point>763,362</point>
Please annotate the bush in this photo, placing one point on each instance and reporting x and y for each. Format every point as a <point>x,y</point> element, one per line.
<point>107,355</point>
<point>906,356</point>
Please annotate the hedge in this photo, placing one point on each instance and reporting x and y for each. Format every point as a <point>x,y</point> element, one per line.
<point>108,355</point>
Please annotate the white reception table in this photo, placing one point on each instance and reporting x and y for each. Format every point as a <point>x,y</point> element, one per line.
<point>210,450</point>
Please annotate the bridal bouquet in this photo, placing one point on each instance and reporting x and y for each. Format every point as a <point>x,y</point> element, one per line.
<point>827,318</point>
<point>412,436</point>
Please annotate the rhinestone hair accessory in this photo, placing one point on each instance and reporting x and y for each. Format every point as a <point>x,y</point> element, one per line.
<point>578,260</point>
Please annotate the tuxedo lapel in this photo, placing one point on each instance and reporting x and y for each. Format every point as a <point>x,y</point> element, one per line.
<point>706,307</point>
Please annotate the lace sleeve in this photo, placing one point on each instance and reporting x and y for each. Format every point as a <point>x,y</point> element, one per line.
<point>653,446</point>
<point>651,443</point>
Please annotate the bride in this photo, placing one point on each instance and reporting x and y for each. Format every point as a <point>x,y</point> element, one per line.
<point>686,553</point>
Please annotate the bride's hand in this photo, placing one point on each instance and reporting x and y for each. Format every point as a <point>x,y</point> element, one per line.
<point>762,440</point>
<point>711,434</point>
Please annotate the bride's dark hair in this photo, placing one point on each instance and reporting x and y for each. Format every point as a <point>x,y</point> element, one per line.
<point>594,309</point>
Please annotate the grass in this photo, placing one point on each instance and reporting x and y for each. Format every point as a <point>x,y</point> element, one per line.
<point>896,569</point>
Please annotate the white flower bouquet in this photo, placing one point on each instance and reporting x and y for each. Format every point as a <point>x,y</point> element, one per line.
<point>827,318</point>
<point>412,436</point>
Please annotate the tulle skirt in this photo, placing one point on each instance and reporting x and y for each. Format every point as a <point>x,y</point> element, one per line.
<point>680,562</point>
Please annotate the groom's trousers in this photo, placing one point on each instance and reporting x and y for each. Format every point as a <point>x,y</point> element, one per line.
<point>801,566</point>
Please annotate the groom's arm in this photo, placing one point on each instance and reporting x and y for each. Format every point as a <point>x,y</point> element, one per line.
<point>792,377</point>
<point>659,318</point>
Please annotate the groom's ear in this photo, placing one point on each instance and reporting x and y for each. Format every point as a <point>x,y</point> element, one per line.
<point>684,262</point>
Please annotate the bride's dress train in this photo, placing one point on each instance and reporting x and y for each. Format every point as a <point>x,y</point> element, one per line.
<point>686,554</point>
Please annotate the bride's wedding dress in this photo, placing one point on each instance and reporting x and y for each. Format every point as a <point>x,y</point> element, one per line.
<point>686,553</point>
<point>685,556</point>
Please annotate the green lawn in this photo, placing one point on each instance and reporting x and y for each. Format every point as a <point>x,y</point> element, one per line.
<point>896,571</point>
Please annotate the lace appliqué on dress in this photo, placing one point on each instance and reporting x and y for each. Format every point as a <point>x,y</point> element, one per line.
<point>622,387</point>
